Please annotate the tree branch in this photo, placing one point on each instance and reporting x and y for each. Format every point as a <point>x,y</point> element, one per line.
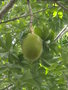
<point>61,5</point>
<point>6,8</point>
<point>61,33</point>
<point>13,19</point>
<point>24,15</point>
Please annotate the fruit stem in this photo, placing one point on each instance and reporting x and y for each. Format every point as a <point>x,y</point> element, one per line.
<point>31,17</point>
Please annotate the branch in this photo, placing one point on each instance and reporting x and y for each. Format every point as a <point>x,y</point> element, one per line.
<point>24,15</point>
<point>31,16</point>
<point>6,8</point>
<point>61,5</point>
<point>61,33</point>
<point>13,19</point>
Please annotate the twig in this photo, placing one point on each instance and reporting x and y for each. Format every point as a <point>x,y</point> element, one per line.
<point>24,15</point>
<point>61,33</point>
<point>31,16</point>
<point>6,8</point>
<point>13,19</point>
<point>62,6</point>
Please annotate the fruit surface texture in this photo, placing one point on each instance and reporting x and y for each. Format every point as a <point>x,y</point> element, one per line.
<point>32,47</point>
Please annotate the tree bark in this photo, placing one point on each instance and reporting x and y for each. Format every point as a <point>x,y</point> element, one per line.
<point>6,8</point>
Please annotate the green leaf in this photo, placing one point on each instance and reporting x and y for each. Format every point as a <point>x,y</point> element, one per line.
<point>60,14</point>
<point>2,43</point>
<point>8,41</point>
<point>54,13</point>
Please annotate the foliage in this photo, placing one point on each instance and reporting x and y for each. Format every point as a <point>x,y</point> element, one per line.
<point>50,71</point>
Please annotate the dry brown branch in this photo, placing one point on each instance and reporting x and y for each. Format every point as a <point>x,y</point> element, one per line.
<point>6,8</point>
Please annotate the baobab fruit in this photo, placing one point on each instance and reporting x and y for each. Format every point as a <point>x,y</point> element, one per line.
<point>32,47</point>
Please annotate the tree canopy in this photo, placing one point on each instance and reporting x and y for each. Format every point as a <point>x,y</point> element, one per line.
<point>49,20</point>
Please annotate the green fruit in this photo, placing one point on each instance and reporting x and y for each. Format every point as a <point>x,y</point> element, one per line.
<point>32,47</point>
